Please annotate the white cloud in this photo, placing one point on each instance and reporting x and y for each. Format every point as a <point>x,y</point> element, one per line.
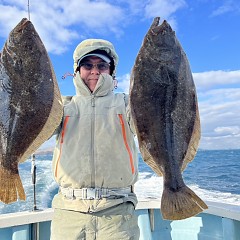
<point>123,83</point>
<point>227,7</point>
<point>230,130</point>
<point>218,92</point>
<point>206,80</point>
<point>219,101</point>
<point>218,106</point>
<point>164,8</point>
<point>60,22</point>
<point>220,142</point>
<point>220,120</point>
<point>9,17</point>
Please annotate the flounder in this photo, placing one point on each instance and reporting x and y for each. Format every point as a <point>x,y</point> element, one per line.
<point>164,108</point>
<point>30,104</point>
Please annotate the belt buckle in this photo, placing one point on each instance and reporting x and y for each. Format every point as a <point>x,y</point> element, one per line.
<point>89,193</point>
<point>70,194</point>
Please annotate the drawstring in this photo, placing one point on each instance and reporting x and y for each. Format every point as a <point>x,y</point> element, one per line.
<point>67,74</point>
<point>115,82</point>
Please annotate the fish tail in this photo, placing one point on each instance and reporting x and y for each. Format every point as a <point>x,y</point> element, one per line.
<point>11,187</point>
<point>181,204</point>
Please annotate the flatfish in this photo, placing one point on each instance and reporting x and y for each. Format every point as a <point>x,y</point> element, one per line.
<point>30,104</point>
<point>164,108</point>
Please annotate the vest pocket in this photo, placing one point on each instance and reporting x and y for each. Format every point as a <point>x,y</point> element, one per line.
<point>124,135</point>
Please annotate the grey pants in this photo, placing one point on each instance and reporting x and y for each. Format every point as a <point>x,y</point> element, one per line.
<point>117,223</point>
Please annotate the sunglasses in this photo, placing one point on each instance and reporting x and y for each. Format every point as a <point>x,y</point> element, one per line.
<point>100,66</point>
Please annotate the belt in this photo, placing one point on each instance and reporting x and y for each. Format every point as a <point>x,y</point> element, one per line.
<point>94,193</point>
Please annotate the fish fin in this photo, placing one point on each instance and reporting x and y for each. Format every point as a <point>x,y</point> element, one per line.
<point>148,159</point>
<point>194,141</point>
<point>181,204</point>
<point>10,187</point>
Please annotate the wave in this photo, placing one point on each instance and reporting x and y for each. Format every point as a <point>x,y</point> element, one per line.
<point>208,182</point>
<point>150,186</point>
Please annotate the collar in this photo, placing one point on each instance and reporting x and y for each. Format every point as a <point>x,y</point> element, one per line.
<point>104,85</point>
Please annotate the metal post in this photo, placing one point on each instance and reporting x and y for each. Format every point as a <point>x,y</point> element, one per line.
<point>33,171</point>
<point>35,231</point>
<point>35,226</point>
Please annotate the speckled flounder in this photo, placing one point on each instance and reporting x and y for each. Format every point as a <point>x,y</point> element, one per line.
<point>164,107</point>
<point>30,104</point>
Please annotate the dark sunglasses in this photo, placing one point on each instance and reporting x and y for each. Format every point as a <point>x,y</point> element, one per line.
<point>102,66</point>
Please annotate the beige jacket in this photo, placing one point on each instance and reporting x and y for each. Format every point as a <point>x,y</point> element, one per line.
<point>95,147</point>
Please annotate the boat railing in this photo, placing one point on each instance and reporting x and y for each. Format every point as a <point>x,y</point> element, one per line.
<point>221,220</point>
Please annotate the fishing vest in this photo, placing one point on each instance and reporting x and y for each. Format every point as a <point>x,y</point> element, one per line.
<point>95,146</point>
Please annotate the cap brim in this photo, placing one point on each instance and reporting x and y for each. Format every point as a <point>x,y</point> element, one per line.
<point>103,57</point>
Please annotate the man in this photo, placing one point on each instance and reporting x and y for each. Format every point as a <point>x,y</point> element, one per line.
<point>95,159</point>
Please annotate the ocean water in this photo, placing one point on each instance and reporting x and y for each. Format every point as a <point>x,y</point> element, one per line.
<point>213,175</point>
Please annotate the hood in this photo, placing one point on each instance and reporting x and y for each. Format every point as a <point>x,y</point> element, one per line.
<point>105,85</point>
<point>90,45</point>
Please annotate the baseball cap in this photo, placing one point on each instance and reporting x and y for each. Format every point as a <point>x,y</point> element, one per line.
<point>103,57</point>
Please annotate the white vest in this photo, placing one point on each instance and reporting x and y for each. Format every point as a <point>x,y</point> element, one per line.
<point>95,146</point>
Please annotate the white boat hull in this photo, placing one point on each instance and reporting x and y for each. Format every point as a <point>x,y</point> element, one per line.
<point>219,222</point>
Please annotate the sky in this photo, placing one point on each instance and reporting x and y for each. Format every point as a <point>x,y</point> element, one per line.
<point>208,31</point>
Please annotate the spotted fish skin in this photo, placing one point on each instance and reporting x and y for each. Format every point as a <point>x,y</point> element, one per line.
<point>164,108</point>
<point>30,104</point>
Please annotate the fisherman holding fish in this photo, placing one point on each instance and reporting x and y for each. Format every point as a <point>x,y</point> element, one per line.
<point>95,159</point>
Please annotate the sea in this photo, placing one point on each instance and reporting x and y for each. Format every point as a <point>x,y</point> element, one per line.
<point>213,174</point>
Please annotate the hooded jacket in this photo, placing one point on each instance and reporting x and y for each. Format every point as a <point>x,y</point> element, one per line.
<point>95,146</point>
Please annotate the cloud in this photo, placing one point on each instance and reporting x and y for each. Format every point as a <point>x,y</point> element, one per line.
<point>231,130</point>
<point>150,9</point>
<point>219,100</point>
<point>227,7</point>
<point>222,142</point>
<point>123,83</point>
<point>220,118</point>
<point>163,8</point>
<point>61,22</point>
<point>206,80</point>
<point>8,18</point>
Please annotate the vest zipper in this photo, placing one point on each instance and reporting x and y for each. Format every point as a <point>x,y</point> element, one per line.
<point>93,96</point>
<point>126,143</point>
<point>61,143</point>
<point>92,140</point>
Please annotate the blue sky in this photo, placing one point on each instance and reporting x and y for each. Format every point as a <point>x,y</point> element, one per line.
<point>207,29</point>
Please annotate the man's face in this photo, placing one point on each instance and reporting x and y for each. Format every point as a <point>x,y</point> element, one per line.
<point>90,77</point>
